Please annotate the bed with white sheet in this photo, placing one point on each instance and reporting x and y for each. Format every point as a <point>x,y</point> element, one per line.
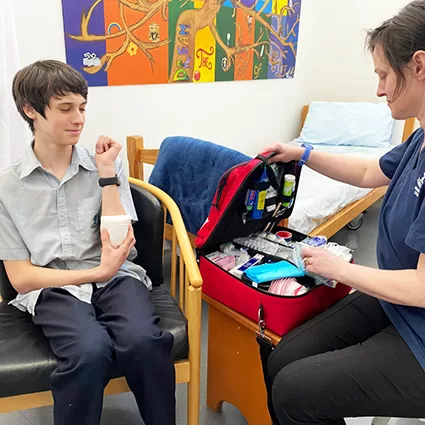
<point>320,197</point>
<point>323,205</point>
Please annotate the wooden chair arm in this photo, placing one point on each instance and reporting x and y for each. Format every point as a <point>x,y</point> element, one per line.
<point>186,250</point>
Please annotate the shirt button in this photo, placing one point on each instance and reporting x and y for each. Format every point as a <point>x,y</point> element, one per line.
<point>64,214</point>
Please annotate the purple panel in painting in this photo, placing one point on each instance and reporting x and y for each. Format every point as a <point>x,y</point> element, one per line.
<point>76,51</point>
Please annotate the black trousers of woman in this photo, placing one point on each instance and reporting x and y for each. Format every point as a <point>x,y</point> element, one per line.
<point>349,361</point>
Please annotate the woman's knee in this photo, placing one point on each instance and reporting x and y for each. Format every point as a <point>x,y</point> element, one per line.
<point>291,394</point>
<point>281,357</point>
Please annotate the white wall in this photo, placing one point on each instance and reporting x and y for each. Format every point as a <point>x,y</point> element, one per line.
<point>333,35</point>
<point>331,65</point>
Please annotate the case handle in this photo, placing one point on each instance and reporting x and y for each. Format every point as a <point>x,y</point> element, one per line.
<point>269,170</point>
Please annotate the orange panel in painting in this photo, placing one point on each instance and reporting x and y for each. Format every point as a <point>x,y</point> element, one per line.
<point>245,30</point>
<point>133,66</point>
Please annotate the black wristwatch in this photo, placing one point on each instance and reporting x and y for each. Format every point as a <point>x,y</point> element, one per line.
<point>108,181</point>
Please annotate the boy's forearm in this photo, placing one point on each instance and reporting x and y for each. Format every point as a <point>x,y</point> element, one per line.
<point>111,202</point>
<point>34,277</point>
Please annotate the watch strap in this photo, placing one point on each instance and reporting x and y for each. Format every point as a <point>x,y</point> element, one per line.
<point>306,154</point>
<point>109,181</point>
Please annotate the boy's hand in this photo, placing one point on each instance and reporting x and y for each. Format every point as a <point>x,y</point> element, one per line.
<point>284,152</point>
<point>113,258</point>
<point>107,151</point>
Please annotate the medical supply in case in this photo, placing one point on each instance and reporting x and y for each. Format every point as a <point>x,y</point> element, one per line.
<point>238,271</point>
<point>287,236</point>
<point>288,190</point>
<point>258,244</point>
<point>287,287</point>
<point>315,241</point>
<point>272,271</point>
<point>341,251</point>
<point>285,304</point>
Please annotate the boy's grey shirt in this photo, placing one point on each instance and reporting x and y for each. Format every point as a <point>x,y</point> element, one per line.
<point>56,224</point>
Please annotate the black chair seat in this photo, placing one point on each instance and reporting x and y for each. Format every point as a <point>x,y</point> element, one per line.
<point>26,361</point>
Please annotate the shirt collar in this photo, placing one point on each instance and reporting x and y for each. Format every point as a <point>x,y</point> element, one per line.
<point>80,156</point>
<point>30,162</point>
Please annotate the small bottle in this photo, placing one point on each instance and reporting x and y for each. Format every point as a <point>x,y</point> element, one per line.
<point>288,190</point>
<point>260,198</point>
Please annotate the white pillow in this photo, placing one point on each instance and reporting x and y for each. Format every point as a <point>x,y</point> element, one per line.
<point>348,123</point>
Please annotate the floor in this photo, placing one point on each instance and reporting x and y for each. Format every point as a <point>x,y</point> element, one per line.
<point>121,409</point>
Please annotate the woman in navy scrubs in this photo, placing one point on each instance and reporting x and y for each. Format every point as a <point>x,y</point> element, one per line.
<point>365,356</point>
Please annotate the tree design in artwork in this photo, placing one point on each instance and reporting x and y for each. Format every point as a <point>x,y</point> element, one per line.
<point>275,42</point>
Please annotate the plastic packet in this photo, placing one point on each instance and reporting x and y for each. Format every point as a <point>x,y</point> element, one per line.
<point>286,253</point>
<point>258,244</point>
<point>240,254</point>
<point>299,262</point>
<point>315,241</point>
<point>339,250</point>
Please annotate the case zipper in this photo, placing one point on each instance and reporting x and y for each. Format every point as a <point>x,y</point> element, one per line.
<point>222,183</point>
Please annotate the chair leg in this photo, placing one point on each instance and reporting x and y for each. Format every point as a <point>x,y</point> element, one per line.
<point>193,313</point>
<point>380,420</point>
<point>193,391</point>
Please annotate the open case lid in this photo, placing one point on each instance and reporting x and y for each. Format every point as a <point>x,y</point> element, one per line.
<point>232,222</point>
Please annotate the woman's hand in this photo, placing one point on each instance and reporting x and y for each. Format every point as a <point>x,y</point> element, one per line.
<point>323,263</point>
<point>284,152</point>
<point>113,258</point>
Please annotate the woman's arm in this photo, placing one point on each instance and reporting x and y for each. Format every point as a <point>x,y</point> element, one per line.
<point>357,171</point>
<point>405,287</point>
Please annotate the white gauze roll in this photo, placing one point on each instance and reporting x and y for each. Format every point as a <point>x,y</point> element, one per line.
<point>117,227</point>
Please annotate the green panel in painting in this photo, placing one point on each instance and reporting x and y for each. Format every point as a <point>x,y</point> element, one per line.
<point>174,11</point>
<point>225,24</point>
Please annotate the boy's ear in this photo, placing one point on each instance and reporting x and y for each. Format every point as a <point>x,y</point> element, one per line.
<point>29,111</point>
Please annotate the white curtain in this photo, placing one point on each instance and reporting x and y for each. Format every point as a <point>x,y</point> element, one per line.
<point>14,132</point>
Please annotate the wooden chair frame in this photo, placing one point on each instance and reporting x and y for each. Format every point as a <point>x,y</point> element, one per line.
<point>190,301</point>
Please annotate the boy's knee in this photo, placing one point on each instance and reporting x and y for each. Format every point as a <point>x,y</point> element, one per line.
<point>148,342</point>
<point>93,351</point>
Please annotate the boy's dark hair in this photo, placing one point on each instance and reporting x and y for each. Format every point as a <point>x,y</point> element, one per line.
<point>35,84</point>
<point>400,37</point>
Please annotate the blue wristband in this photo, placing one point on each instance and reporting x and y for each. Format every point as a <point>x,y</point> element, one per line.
<point>306,154</point>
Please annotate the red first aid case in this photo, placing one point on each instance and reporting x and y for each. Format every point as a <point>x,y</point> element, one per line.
<point>230,217</point>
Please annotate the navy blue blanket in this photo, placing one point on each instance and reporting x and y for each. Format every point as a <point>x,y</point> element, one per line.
<point>189,170</point>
